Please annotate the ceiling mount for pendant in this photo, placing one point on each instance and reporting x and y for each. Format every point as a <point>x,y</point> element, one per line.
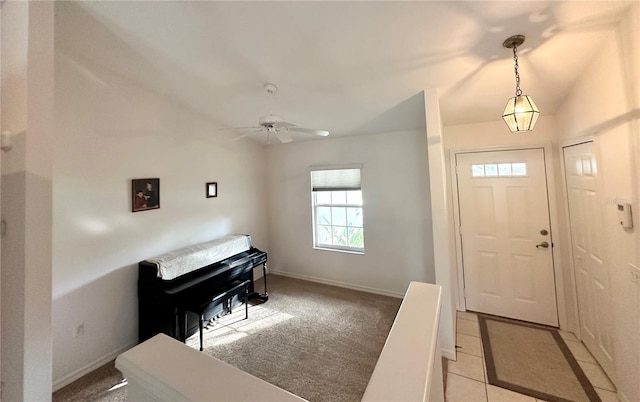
<point>513,41</point>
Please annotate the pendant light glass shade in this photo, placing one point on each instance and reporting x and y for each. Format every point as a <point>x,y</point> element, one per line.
<point>521,114</point>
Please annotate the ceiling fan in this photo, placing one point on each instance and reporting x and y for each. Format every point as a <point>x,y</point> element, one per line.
<point>276,126</point>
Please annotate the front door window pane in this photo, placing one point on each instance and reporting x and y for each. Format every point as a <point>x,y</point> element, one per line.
<point>477,170</point>
<point>491,169</point>
<point>519,169</point>
<point>504,169</point>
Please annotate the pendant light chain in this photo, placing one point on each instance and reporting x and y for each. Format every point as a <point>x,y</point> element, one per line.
<point>515,69</point>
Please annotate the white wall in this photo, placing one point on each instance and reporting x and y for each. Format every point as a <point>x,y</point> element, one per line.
<point>109,131</point>
<point>605,104</point>
<point>397,213</point>
<point>27,100</point>
<point>497,134</point>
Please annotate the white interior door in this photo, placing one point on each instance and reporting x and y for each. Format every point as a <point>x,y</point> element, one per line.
<point>506,236</point>
<point>592,277</point>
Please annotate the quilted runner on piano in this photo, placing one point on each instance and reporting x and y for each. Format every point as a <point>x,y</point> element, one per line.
<point>187,259</point>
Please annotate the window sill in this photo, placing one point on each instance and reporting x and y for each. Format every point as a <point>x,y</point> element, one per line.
<point>339,250</point>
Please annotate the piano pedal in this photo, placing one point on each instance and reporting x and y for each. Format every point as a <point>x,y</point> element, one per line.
<point>210,323</point>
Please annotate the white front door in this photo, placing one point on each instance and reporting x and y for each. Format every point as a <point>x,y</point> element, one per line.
<point>506,235</point>
<point>587,245</point>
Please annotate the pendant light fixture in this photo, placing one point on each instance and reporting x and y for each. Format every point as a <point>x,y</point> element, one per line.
<point>521,112</point>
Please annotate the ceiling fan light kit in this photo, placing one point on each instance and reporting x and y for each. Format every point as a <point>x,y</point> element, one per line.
<point>521,112</point>
<point>275,125</point>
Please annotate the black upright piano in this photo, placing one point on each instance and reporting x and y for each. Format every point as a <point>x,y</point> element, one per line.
<point>162,301</point>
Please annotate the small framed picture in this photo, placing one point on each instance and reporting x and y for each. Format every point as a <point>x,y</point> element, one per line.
<point>212,189</point>
<point>145,194</point>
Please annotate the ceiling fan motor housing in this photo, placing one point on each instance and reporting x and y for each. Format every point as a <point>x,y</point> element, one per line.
<point>269,120</point>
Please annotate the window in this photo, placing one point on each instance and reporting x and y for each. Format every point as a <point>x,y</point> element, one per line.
<point>499,169</point>
<point>337,210</point>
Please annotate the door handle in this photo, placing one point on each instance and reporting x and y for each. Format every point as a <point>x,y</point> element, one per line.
<point>544,244</point>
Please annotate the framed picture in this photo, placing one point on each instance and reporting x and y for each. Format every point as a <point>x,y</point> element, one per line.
<point>212,189</point>
<point>145,194</point>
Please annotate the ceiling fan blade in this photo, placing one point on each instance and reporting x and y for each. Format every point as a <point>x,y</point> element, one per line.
<point>285,124</point>
<point>247,134</point>
<point>322,133</point>
<point>238,128</point>
<point>241,136</point>
<point>284,138</point>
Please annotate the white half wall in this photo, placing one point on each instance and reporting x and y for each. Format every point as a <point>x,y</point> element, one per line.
<point>397,212</point>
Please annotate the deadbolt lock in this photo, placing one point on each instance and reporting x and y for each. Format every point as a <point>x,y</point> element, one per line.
<point>544,232</point>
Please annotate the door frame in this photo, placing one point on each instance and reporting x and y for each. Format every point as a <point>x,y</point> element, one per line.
<point>567,222</point>
<point>552,190</point>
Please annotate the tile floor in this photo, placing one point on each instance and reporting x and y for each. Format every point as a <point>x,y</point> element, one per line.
<point>467,380</point>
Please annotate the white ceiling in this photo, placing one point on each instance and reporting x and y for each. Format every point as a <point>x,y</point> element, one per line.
<point>348,67</point>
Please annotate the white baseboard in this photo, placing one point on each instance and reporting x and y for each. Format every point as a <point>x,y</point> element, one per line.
<point>339,284</point>
<point>71,377</point>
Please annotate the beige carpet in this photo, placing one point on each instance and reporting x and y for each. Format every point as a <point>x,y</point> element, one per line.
<point>532,360</point>
<point>317,341</point>
<point>105,384</point>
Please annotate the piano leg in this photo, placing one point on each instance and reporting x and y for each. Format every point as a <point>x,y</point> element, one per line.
<point>201,330</point>
<point>176,328</point>
<point>186,327</point>
<point>246,301</point>
<point>262,296</point>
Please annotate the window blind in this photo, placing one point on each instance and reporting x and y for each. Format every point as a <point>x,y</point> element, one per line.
<point>335,180</point>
